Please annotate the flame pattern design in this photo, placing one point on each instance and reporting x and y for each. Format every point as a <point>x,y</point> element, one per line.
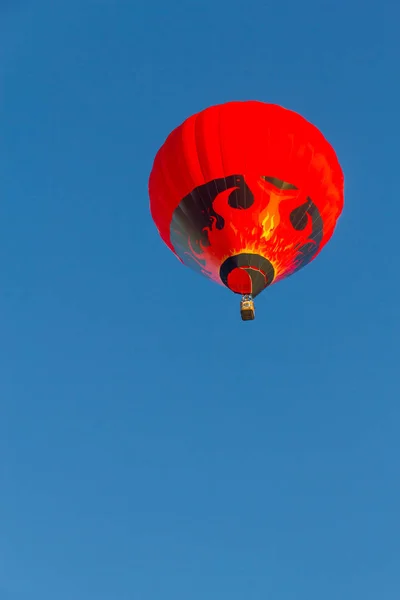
<point>246,232</point>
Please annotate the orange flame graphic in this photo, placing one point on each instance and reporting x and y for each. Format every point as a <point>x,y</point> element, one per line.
<point>264,229</point>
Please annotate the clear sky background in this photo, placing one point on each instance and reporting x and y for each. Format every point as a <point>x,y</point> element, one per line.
<point>153,446</point>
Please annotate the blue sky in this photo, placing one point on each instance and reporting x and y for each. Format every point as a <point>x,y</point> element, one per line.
<point>152,445</point>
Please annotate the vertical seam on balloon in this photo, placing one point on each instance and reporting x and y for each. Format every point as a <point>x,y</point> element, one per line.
<point>306,180</point>
<point>169,186</point>
<point>301,190</point>
<point>196,145</point>
<point>220,145</point>
<point>323,210</point>
<point>245,186</point>
<point>263,198</point>
<point>192,183</point>
<point>199,161</point>
<point>221,153</point>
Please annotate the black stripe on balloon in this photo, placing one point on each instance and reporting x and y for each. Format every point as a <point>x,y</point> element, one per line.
<point>259,269</point>
<point>279,183</point>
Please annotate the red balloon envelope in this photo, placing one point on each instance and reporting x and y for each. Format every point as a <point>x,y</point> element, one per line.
<point>246,193</point>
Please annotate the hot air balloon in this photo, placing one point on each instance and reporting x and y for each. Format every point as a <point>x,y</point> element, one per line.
<point>246,194</point>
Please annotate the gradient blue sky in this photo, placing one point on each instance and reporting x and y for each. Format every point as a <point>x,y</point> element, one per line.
<point>153,446</point>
